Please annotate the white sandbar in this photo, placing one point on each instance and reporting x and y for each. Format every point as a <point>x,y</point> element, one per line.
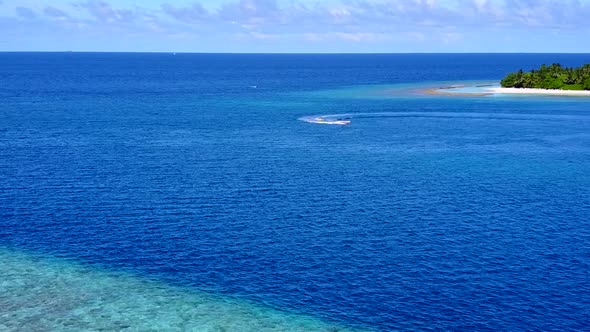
<point>527,91</point>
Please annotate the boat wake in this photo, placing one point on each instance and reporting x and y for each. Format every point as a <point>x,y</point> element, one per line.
<point>345,119</point>
<point>342,119</point>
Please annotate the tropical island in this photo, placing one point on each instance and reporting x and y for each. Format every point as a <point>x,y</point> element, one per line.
<point>554,77</point>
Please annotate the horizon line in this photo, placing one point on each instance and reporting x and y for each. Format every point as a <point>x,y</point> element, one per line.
<point>289,53</point>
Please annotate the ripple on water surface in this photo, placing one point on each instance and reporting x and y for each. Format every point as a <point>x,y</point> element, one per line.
<point>43,294</point>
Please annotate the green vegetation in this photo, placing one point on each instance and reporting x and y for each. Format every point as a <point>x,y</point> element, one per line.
<point>550,77</point>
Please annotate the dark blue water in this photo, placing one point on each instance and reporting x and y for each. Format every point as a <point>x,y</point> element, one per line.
<point>177,168</point>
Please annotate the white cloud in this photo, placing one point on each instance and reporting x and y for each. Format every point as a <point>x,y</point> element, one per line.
<point>357,36</point>
<point>346,21</point>
<point>355,16</point>
<point>191,14</point>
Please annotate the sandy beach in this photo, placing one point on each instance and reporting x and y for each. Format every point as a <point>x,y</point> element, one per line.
<point>581,93</point>
<point>486,90</point>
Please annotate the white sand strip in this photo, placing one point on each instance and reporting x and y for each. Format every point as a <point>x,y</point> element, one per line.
<point>526,91</point>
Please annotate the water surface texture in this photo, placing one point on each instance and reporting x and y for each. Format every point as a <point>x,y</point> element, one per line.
<point>194,171</point>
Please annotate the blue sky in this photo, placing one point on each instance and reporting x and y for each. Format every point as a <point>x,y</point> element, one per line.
<point>296,25</point>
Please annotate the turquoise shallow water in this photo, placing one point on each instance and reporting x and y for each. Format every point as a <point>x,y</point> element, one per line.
<point>46,294</point>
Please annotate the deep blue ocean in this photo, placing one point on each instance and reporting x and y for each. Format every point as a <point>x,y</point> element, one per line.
<point>426,213</point>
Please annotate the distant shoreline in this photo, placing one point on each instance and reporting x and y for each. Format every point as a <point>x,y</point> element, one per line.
<point>490,90</point>
<point>530,91</point>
